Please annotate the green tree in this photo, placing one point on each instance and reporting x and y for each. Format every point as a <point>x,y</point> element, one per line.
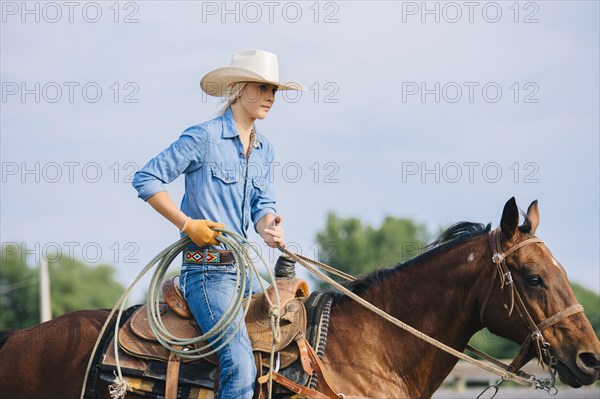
<point>357,249</point>
<point>19,293</point>
<point>493,345</point>
<point>74,285</point>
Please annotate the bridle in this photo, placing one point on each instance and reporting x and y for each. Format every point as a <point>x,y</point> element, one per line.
<point>535,335</point>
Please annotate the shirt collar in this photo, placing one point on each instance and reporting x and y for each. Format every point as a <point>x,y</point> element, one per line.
<point>230,128</point>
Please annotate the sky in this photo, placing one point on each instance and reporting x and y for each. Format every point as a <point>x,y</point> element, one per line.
<point>435,111</point>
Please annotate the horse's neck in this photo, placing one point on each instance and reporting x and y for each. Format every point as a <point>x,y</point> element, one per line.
<point>437,295</point>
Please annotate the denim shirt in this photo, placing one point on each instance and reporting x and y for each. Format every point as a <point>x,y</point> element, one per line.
<point>220,185</point>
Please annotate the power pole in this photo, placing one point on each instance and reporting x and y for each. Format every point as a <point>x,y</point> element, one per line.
<point>45,312</point>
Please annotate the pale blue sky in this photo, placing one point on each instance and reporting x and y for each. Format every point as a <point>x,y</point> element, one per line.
<point>516,115</point>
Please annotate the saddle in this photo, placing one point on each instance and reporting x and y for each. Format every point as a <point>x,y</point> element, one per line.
<point>136,337</point>
<point>145,357</point>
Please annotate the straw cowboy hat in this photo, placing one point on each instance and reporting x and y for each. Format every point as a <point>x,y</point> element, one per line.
<point>246,66</point>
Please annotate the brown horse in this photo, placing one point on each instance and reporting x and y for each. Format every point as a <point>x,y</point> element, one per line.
<point>448,293</point>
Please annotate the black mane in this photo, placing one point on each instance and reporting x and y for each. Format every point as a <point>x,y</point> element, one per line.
<point>454,235</point>
<point>4,335</point>
<point>458,233</point>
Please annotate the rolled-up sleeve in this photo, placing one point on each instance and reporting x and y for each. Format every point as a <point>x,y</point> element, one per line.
<point>264,202</point>
<point>180,156</point>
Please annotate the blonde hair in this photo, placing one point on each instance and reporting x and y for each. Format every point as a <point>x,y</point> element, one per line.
<point>232,93</point>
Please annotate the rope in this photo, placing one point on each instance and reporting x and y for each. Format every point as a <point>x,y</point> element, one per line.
<point>219,334</point>
<point>531,382</point>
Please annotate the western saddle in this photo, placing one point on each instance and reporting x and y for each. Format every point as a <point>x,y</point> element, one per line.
<point>138,343</point>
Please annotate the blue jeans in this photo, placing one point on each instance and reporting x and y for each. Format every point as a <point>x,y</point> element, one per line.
<point>208,290</point>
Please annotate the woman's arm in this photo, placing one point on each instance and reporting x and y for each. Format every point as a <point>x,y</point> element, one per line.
<point>186,152</point>
<point>163,204</point>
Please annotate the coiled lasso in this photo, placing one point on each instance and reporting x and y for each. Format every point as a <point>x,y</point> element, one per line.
<point>221,334</point>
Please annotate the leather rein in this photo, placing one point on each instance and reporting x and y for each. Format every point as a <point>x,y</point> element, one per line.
<point>535,334</point>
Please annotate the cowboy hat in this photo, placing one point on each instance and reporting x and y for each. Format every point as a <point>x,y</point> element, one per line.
<point>246,66</point>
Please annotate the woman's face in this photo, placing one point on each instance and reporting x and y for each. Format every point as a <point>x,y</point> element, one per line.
<point>257,99</point>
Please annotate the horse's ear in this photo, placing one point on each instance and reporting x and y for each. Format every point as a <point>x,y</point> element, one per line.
<point>510,219</point>
<point>533,219</point>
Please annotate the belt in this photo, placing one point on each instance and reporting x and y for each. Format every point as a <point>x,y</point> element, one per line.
<point>208,256</point>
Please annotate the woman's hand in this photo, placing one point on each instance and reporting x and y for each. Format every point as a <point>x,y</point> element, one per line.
<point>201,231</point>
<point>273,234</point>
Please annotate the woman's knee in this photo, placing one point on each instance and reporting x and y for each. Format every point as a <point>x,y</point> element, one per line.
<point>237,357</point>
<point>236,352</point>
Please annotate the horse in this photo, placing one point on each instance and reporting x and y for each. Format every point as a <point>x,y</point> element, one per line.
<point>449,292</point>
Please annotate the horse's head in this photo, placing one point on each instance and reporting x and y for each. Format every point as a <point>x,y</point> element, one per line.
<point>547,301</point>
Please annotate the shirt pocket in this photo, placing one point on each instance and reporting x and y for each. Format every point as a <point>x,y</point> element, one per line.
<point>225,176</point>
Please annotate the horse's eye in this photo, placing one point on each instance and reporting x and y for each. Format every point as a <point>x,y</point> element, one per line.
<point>535,281</point>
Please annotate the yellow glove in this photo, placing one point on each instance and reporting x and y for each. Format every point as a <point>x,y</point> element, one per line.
<point>201,233</point>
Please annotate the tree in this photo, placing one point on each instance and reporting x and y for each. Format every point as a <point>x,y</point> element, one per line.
<point>19,293</point>
<point>358,249</point>
<point>493,345</point>
<point>73,286</point>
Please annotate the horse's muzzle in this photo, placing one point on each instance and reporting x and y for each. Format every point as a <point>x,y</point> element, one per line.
<point>585,371</point>
<point>589,363</point>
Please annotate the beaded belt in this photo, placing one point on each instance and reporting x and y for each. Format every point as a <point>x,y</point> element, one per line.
<point>208,256</point>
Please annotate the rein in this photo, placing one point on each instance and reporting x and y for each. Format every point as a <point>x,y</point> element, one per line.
<point>510,372</point>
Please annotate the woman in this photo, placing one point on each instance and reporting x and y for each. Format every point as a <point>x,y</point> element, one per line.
<point>227,166</point>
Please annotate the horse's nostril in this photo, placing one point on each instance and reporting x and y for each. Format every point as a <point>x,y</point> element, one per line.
<point>590,360</point>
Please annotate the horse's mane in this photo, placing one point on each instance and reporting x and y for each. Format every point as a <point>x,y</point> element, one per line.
<point>4,335</point>
<point>453,236</point>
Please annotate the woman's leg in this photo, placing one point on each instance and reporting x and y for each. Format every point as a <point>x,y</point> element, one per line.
<point>208,291</point>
